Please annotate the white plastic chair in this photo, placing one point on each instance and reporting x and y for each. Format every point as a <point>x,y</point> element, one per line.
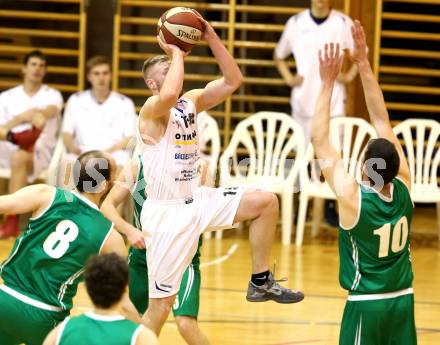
<point>420,143</point>
<point>268,138</point>
<point>49,174</point>
<point>349,135</point>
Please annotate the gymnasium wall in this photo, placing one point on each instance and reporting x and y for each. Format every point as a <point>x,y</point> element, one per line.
<point>403,37</point>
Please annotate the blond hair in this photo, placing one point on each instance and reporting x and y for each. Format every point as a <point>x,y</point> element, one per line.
<point>152,61</point>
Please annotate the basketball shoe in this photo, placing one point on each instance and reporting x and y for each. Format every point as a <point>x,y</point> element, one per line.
<point>271,290</point>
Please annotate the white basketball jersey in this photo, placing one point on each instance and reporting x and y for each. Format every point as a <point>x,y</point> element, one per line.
<point>171,166</point>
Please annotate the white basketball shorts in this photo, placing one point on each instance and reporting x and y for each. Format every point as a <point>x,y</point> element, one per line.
<point>172,229</point>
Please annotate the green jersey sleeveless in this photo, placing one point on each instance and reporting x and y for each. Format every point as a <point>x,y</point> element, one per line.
<point>375,253</point>
<point>47,260</point>
<point>95,329</point>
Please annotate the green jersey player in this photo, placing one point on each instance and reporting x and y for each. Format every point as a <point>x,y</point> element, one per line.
<point>186,305</point>
<point>106,278</point>
<point>41,275</point>
<point>375,215</point>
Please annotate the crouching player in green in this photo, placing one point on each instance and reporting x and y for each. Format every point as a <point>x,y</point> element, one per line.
<point>186,305</point>
<point>375,215</point>
<point>41,275</point>
<point>106,278</point>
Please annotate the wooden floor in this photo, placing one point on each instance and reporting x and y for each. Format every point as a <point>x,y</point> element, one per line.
<point>228,319</point>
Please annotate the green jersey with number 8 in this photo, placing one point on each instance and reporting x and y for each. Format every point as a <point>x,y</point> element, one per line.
<point>47,260</point>
<point>375,253</point>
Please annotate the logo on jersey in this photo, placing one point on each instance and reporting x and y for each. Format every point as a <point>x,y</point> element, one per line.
<point>230,191</point>
<point>186,156</point>
<point>163,287</point>
<point>189,119</point>
<point>186,175</point>
<point>185,139</point>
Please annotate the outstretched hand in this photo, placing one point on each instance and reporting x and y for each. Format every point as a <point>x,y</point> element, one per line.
<point>330,62</point>
<point>360,48</point>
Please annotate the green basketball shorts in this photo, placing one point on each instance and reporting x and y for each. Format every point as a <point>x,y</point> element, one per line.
<point>380,321</point>
<point>23,323</point>
<point>188,297</point>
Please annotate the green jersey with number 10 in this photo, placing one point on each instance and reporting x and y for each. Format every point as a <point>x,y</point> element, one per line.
<point>47,260</point>
<point>375,253</point>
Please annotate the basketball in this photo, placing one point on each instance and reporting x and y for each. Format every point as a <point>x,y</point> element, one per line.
<point>180,26</point>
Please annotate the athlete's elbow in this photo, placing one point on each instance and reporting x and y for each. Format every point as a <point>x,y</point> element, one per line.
<point>238,80</point>
<point>169,97</point>
<point>235,83</point>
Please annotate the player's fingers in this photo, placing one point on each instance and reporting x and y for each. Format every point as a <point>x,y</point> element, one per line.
<point>362,33</point>
<point>326,52</point>
<point>138,244</point>
<point>332,51</point>
<point>337,52</point>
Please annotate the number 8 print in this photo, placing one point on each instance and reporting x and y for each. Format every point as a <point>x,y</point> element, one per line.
<point>57,243</point>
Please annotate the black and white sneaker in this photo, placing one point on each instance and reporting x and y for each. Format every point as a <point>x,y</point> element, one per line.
<point>271,290</point>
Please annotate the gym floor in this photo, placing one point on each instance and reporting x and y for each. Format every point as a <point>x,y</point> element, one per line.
<point>228,319</point>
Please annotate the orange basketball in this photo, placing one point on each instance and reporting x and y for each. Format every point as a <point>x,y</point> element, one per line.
<point>180,26</point>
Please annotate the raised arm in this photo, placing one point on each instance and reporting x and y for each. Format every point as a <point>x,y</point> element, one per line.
<point>119,192</point>
<point>343,185</point>
<point>165,96</point>
<point>33,199</point>
<point>217,90</point>
<point>374,98</point>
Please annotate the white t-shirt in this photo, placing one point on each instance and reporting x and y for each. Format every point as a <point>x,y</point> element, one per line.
<point>15,101</point>
<point>303,38</point>
<point>99,126</point>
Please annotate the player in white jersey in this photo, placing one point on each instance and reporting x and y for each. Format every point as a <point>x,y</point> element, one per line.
<point>98,119</point>
<point>31,108</point>
<point>303,35</point>
<point>177,210</point>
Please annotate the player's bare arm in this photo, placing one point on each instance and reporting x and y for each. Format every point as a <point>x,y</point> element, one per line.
<point>165,96</point>
<point>69,142</point>
<point>119,192</point>
<point>37,117</point>
<point>120,145</point>
<point>284,70</point>
<point>33,199</point>
<point>374,98</point>
<point>42,115</point>
<point>217,90</point>
<point>343,185</point>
